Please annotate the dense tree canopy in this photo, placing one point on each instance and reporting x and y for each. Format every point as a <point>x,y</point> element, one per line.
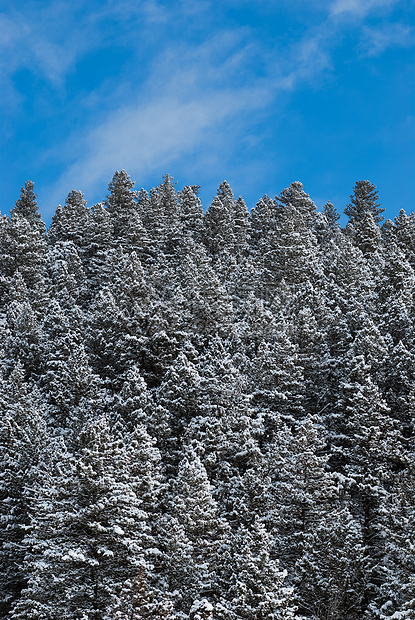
<point>206,414</point>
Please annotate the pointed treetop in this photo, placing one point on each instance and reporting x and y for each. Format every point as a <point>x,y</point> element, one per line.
<point>295,196</point>
<point>75,199</point>
<point>26,207</point>
<point>121,192</point>
<point>364,199</point>
<point>224,192</point>
<point>331,214</point>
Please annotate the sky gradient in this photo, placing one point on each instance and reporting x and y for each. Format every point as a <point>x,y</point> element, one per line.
<point>258,92</point>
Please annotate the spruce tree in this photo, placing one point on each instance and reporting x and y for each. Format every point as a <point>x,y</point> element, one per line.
<point>364,200</point>
<point>88,532</point>
<point>70,223</point>
<point>22,435</point>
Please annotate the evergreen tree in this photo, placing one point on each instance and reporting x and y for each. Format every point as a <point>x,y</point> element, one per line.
<point>405,234</point>
<point>331,214</point>
<point>277,383</point>
<point>200,302</point>
<point>369,449</point>
<point>295,196</point>
<point>23,244</point>
<point>289,253</point>
<point>121,204</point>
<point>136,600</point>
<point>226,225</point>
<point>70,223</point>
<point>23,340</point>
<point>268,356</point>
<point>364,200</point>
<point>95,257</point>
<point>396,595</point>
<point>332,575</point>
<point>26,207</point>
<point>190,212</point>
<point>66,276</point>
<point>300,488</point>
<point>366,234</point>
<point>193,534</point>
<point>263,218</point>
<point>22,435</point>
<point>88,532</point>
<point>252,581</point>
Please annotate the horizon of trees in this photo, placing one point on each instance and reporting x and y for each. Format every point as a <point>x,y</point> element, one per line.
<point>206,415</point>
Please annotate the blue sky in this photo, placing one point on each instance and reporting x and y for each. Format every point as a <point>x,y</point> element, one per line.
<point>258,92</point>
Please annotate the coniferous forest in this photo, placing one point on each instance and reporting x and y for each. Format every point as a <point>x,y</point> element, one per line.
<point>207,415</point>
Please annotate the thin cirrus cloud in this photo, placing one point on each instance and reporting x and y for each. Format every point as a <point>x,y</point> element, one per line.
<point>31,44</point>
<point>200,100</point>
<point>375,41</point>
<point>203,109</point>
<point>155,86</point>
<point>359,8</point>
<point>149,137</point>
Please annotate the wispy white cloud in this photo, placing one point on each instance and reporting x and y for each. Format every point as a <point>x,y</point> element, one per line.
<point>49,39</point>
<point>28,42</point>
<point>197,101</point>
<point>359,8</point>
<point>199,91</point>
<point>151,137</point>
<point>376,40</point>
<point>308,60</point>
<point>194,102</point>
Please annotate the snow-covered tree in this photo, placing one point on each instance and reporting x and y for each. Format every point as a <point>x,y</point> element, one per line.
<point>22,436</point>
<point>364,200</point>
<point>88,532</point>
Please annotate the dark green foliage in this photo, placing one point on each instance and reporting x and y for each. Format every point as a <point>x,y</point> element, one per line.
<point>364,200</point>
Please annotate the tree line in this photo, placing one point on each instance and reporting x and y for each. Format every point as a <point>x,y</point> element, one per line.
<point>206,414</point>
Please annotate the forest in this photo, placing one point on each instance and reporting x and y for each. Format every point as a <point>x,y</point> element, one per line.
<point>207,414</point>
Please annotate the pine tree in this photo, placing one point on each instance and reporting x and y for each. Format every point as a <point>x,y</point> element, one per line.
<point>23,244</point>
<point>331,214</point>
<point>193,534</point>
<point>160,215</point>
<point>332,575</point>
<point>263,218</point>
<point>136,601</point>
<point>191,212</point>
<point>277,383</point>
<point>26,207</point>
<point>396,595</point>
<point>289,252</point>
<point>224,427</point>
<point>200,303</point>
<point>364,199</point>
<point>405,234</point>
<point>396,294</point>
<point>300,487</point>
<point>98,240</point>
<point>70,223</point>
<point>23,341</point>
<point>295,196</point>
<point>226,225</point>
<point>67,380</point>
<point>366,234</point>
<point>66,276</point>
<point>368,447</point>
<point>121,204</point>
<point>252,582</point>
<point>88,532</point>
<point>22,434</point>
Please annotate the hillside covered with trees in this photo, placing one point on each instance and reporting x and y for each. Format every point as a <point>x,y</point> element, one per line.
<point>206,414</point>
